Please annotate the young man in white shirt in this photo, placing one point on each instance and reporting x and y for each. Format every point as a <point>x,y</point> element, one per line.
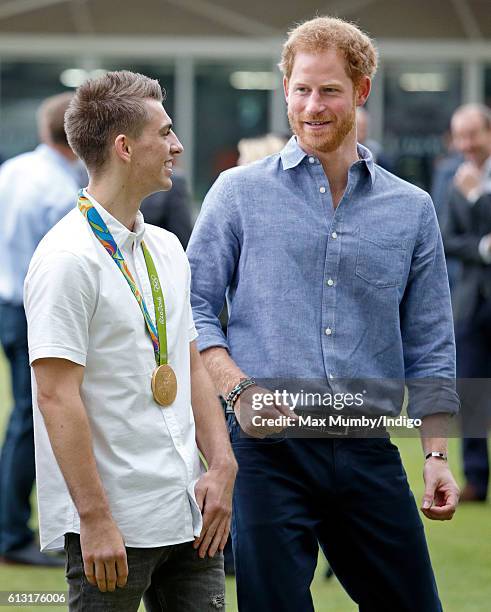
<point>122,401</point>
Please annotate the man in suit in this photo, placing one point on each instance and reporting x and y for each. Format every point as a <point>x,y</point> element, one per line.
<point>363,134</point>
<point>468,238</point>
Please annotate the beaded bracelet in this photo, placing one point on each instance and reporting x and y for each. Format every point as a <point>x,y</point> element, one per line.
<point>233,396</point>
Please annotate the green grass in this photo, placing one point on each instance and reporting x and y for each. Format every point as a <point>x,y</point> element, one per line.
<point>460,549</point>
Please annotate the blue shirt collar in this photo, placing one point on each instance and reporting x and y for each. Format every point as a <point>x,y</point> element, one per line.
<point>292,154</point>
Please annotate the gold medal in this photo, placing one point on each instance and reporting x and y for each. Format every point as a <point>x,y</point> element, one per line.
<point>164,385</point>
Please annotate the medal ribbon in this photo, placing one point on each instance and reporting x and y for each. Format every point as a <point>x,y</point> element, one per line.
<point>158,332</point>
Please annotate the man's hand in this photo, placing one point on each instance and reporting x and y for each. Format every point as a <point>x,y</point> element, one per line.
<point>441,494</point>
<point>271,418</point>
<point>486,241</point>
<point>467,178</point>
<point>226,375</point>
<point>103,553</point>
<point>214,496</point>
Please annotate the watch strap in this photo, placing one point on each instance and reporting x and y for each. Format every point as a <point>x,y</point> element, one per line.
<point>436,454</point>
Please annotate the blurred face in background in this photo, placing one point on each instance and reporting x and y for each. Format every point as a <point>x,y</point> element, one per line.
<point>471,136</point>
<point>361,125</point>
<point>322,100</point>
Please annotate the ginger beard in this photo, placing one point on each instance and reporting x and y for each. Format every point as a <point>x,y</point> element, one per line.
<point>329,138</point>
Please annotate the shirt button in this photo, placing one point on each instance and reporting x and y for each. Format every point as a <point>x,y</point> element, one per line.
<point>312,160</point>
<point>331,375</point>
<point>322,190</point>
<point>330,282</point>
<point>334,235</point>
<point>328,331</point>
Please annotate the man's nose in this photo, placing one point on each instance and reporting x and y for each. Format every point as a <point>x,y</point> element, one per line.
<point>466,146</point>
<point>315,104</point>
<point>176,146</point>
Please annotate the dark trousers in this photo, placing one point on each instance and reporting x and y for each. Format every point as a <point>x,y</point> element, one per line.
<point>17,470</point>
<point>349,495</point>
<point>168,578</point>
<point>473,340</point>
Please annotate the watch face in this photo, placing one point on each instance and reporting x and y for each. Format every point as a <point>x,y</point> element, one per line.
<point>436,454</point>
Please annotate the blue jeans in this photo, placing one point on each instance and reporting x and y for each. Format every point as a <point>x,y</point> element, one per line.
<point>349,495</point>
<point>17,470</point>
<point>167,578</point>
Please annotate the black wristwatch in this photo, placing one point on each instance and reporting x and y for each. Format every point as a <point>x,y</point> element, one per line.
<point>436,454</point>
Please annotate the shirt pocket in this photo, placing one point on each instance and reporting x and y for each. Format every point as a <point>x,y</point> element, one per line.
<point>380,260</point>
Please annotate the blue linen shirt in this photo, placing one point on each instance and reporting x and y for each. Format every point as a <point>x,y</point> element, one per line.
<point>313,292</point>
<point>37,189</point>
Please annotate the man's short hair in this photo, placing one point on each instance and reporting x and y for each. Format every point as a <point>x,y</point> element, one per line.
<point>50,117</point>
<point>323,33</point>
<point>107,106</point>
<point>474,107</point>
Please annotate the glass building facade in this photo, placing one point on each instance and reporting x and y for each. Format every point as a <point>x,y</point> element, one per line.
<point>419,100</point>
<point>224,115</point>
<point>215,102</point>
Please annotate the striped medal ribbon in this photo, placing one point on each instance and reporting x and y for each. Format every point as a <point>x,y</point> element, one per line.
<point>164,382</point>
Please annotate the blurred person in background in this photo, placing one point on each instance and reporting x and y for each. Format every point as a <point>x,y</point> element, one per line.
<point>312,299</point>
<point>252,149</point>
<point>36,190</point>
<point>363,135</point>
<point>444,171</point>
<point>171,210</point>
<point>468,238</point>
<point>445,167</point>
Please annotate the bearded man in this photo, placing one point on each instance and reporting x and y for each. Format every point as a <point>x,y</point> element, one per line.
<point>332,269</point>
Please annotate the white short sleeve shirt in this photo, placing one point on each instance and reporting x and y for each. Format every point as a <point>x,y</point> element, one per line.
<point>79,307</point>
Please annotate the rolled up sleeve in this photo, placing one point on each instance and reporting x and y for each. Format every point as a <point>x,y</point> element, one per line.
<point>427,325</point>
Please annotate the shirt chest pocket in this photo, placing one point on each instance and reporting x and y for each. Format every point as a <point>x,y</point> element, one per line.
<point>380,260</point>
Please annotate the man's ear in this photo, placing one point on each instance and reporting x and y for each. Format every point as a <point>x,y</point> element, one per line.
<point>363,89</point>
<point>122,147</point>
<point>285,88</point>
